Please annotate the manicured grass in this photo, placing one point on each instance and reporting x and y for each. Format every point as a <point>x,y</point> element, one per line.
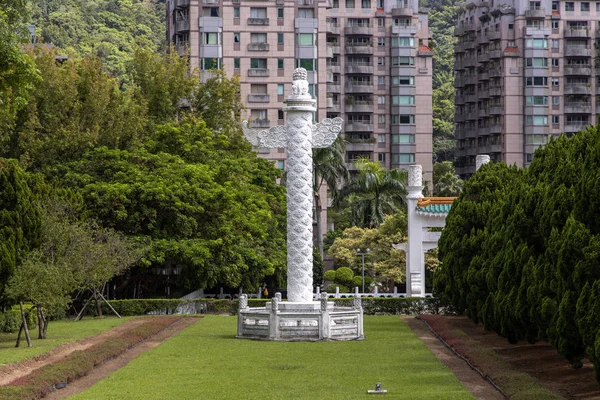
<point>59,332</point>
<point>206,361</point>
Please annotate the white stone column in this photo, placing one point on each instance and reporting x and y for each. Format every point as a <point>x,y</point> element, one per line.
<point>480,160</point>
<point>415,268</point>
<point>300,109</point>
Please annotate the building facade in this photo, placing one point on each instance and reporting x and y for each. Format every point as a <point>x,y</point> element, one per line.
<point>367,61</point>
<point>524,71</point>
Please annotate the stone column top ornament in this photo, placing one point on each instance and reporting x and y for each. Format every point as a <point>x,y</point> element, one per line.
<point>415,175</point>
<point>480,160</point>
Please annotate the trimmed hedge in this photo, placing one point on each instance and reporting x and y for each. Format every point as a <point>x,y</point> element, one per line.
<point>371,305</point>
<point>10,321</point>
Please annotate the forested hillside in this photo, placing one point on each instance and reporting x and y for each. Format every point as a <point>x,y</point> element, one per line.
<point>442,19</point>
<point>108,29</point>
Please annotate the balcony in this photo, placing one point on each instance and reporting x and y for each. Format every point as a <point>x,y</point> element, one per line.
<point>182,3</point>
<point>496,110</point>
<point>359,49</point>
<point>258,21</point>
<point>181,48</point>
<point>258,46</point>
<point>484,57</point>
<point>577,33</point>
<point>334,68</point>
<point>578,70</point>
<point>469,62</point>
<point>578,108</point>
<point>359,146</point>
<point>404,30</point>
<point>182,26</point>
<point>483,76</point>
<point>359,88</point>
<point>332,28</point>
<point>484,94</point>
<point>495,54</point>
<point>333,48</point>
<point>469,44</point>
<point>258,72</point>
<point>402,12</point>
<point>578,88</point>
<point>482,113</point>
<point>495,73</point>
<point>495,129</point>
<point>471,98</point>
<point>459,99</point>
<point>352,126</point>
<point>334,88</point>
<point>359,69</point>
<point>495,92</point>
<point>494,35</point>
<point>358,30</point>
<point>359,106</point>
<point>468,27</point>
<point>469,80</point>
<point>211,1</point>
<point>258,98</point>
<point>472,116</point>
<point>535,12</point>
<point>260,123</point>
<point>578,51</point>
<point>575,126</point>
<point>329,76</point>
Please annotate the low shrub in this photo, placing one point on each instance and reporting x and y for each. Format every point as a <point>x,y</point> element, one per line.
<point>343,289</point>
<point>10,321</point>
<point>344,275</point>
<point>329,275</point>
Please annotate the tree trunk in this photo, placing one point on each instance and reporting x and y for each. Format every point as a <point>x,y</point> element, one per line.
<point>25,325</point>
<point>19,335</point>
<point>40,323</point>
<point>98,305</point>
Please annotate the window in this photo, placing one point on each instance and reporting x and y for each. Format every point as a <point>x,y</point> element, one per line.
<point>349,3</point>
<point>280,63</point>
<point>380,60</point>
<point>236,63</point>
<point>511,27</point>
<point>210,11</point>
<point>280,38</point>
<point>281,164</point>
<point>258,88</point>
<point>305,39</point>
<point>536,43</point>
<point>236,37</point>
<point>536,81</point>
<point>381,156</point>
<point>403,80</point>
<point>569,6</point>
<point>403,100</point>
<point>365,4</point>
<point>381,42</point>
<point>210,38</point>
<point>306,63</point>
<point>403,42</point>
<point>381,22</point>
<point>306,13</point>
<point>403,60</point>
<point>555,62</point>
<point>555,82</point>
<point>258,63</point>
<point>556,119</point>
<point>256,12</point>
<point>381,80</point>
<point>597,6</point>
<point>403,158</point>
<point>406,138</point>
<point>381,120</point>
<point>258,114</point>
<point>536,100</point>
<point>554,24</point>
<point>585,6</point>
<point>536,139</point>
<point>406,119</point>
<point>555,100</point>
<point>555,43</point>
<point>258,38</point>
<point>380,99</point>
<point>236,12</point>
<point>280,13</point>
<point>210,63</point>
<point>536,119</point>
<point>280,115</point>
<point>537,62</point>
<point>280,89</point>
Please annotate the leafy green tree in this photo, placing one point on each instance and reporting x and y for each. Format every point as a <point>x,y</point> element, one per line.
<point>373,193</point>
<point>445,181</point>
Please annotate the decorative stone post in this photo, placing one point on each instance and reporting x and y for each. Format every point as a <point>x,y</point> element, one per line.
<point>415,273</point>
<point>300,136</point>
<point>480,160</point>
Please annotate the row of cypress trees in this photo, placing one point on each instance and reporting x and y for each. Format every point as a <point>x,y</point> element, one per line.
<point>521,249</point>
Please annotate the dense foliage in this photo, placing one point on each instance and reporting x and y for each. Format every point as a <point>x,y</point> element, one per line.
<point>521,248</point>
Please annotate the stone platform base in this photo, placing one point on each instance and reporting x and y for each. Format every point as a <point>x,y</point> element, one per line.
<point>306,321</point>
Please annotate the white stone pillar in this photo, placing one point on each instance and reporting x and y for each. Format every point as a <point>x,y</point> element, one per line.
<point>415,272</point>
<point>480,160</point>
<point>300,109</point>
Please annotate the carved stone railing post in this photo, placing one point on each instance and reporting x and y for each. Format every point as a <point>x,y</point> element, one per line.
<point>324,325</point>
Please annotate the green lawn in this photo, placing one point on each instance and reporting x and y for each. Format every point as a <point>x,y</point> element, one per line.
<point>206,361</point>
<point>59,332</point>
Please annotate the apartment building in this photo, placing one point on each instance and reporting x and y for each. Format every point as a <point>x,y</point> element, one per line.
<point>524,71</point>
<point>367,61</point>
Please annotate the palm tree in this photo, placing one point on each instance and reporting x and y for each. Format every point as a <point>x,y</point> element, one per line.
<point>374,193</point>
<point>328,167</point>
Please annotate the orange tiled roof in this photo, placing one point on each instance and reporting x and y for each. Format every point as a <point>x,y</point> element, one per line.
<point>425,49</point>
<point>511,50</point>
<point>425,201</point>
<point>555,13</point>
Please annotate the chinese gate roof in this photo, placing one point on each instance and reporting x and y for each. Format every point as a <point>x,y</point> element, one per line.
<point>435,205</point>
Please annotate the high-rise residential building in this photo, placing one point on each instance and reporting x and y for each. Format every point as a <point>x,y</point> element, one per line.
<point>368,62</point>
<point>524,71</point>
